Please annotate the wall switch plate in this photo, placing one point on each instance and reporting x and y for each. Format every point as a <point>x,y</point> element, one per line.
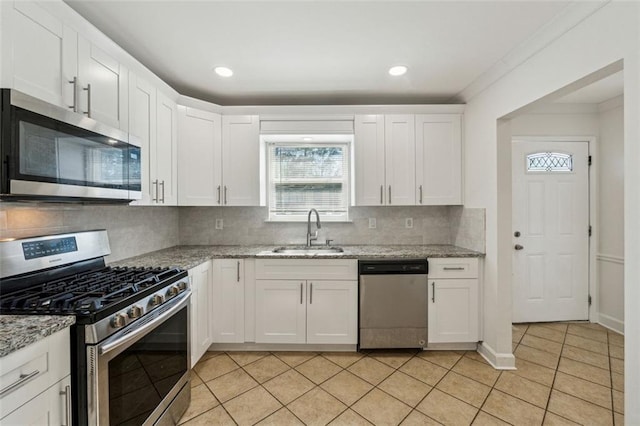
<point>218,223</point>
<point>372,223</point>
<point>408,222</point>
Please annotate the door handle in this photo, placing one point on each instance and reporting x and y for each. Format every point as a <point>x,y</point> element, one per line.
<point>301,293</point>
<point>155,184</point>
<point>162,183</point>
<point>420,194</point>
<point>238,271</point>
<point>311,293</point>
<point>67,405</point>
<point>24,378</point>
<point>433,292</point>
<point>381,194</point>
<point>74,107</point>
<point>88,89</point>
<point>518,247</point>
<point>389,195</point>
<point>225,194</point>
<point>218,194</point>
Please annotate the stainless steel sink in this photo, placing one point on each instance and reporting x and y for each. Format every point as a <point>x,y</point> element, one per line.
<point>303,250</point>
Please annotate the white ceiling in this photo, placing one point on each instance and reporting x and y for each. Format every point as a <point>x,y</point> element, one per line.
<point>319,52</point>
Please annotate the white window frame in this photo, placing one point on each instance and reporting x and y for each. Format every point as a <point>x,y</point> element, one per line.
<point>347,181</point>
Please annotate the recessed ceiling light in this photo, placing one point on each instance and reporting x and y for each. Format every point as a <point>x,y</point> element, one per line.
<point>398,70</point>
<point>223,71</point>
<point>307,139</point>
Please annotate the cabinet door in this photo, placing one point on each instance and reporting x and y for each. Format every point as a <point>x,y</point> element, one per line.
<point>280,311</point>
<point>165,152</point>
<point>228,301</point>
<point>369,160</point>
<point>44,55</point>
<point>453,311</point>
<point>241,160</point>
<point>52,407</point>
<point>332,312</point>
<point>400,163</point>
<point>201,303</point>
<point>438,159</point>
<point>199,158</point>
<point>142,125</point>
<point>103,91</point>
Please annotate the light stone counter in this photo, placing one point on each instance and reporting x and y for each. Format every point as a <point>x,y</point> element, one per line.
<point>18,331</point>
<point>187,257</point>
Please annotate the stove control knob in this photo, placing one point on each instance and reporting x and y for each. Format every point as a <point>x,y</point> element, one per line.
<point>182,285</point>
<point>173,291</point>
<point>135,312</point>
<point>120,320</point>
<point>156,299</point>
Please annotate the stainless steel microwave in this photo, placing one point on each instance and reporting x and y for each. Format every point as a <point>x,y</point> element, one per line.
<point>51,154</point>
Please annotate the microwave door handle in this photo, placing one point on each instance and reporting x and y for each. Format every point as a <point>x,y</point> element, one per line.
<point>179,303</point>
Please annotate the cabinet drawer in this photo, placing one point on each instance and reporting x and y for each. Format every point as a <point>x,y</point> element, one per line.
<point>29,371</point>
<point>453,267</point>
<point>307,269</point>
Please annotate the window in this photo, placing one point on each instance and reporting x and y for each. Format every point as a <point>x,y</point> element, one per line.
<point>305,176</point>
<point>549,162</point>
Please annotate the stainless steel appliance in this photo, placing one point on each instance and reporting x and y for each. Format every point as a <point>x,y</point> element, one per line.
<point>130,348</point>
<point>50,153</point>
<point>393,303</point>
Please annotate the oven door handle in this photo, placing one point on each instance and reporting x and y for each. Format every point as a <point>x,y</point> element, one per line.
<point>171,308</point>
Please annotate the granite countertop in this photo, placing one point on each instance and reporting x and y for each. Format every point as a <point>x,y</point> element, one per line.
<point>18,331</point>
<point>187,257</point>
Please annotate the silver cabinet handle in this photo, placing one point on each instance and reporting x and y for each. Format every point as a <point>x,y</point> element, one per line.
<point>238,278</point>
<point>67,405</point>
<point>310,293</point>
<point>24,378</point>
<point>420,194</point>
<point>449,268</point>
<point>301,293</point>
<point>155,184</point>
<point>389,195</point>
<point>88,111</point>
<point>218,190</point>
<point>433,291</point>
<point>225,194</point>
<point>518,247</point>
<point>381,194</point>
<point>74,107</point>
<point>162,184</point>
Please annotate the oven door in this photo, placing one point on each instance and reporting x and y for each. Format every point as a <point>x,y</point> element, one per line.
<point>143,370</point>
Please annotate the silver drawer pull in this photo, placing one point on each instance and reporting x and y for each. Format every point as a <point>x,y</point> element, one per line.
<point>67,405</point>
<point>24,378</point>
<point>457,268</point>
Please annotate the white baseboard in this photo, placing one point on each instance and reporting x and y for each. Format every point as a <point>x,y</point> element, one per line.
<point>499,361</point>
<point>611,323</point>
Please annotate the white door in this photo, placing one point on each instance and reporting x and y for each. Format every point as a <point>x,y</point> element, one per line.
<point>332,312</point>
<point>201,308</point>
<point>400,159</point>
<point>142,125</point>
<point>369,159</point>
<point>241,160</point>
<point>164,162</point>
<point>281,311</point>
<point>228,301</point>
<point>453,310</point>
<point>550,231</point>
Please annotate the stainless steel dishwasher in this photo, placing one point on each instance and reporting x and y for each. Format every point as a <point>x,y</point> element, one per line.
<point>393,303</point>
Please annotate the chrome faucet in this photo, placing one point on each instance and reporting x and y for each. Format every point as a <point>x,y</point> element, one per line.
<point>315,234</point>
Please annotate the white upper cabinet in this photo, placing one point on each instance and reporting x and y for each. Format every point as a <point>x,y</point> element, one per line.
<point>164,153</point>
<point>240,160</point>
<point>43,54</point>
<point>199,157</point>
<point>50,61</point>
<point>438,159</point>
<point>400,143</point>
<point>142,129</point>
<point>103,91</point>
<point>369,160</point>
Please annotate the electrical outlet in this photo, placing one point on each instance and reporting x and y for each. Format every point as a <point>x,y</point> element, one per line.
<point>372,223</point>
<point>408,222</point>
<point>218,223</point>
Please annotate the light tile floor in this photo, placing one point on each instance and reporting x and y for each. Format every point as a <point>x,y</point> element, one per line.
<point>567,373</point>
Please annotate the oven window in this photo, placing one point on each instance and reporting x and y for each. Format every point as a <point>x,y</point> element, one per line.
<point>141,376</point>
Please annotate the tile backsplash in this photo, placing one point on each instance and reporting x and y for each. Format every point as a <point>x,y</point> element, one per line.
<point>247,225</point>
<point>138,230</point>
<point>132,230</point>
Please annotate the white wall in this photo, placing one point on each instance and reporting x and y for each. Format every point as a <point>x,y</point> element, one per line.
<point>610,229</point>
<point>607,36</point>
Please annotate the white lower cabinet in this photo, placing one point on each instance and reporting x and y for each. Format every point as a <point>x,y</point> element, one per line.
<point>201,302</point>
<point>36,383</point>
<point>312,309</point>
<point>228,301</point>
<point>453,301</point>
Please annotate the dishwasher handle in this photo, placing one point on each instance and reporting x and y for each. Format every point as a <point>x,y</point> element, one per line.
<point>393,267</point>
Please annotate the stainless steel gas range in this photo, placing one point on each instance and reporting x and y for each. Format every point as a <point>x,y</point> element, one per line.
<point>130,347</point>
